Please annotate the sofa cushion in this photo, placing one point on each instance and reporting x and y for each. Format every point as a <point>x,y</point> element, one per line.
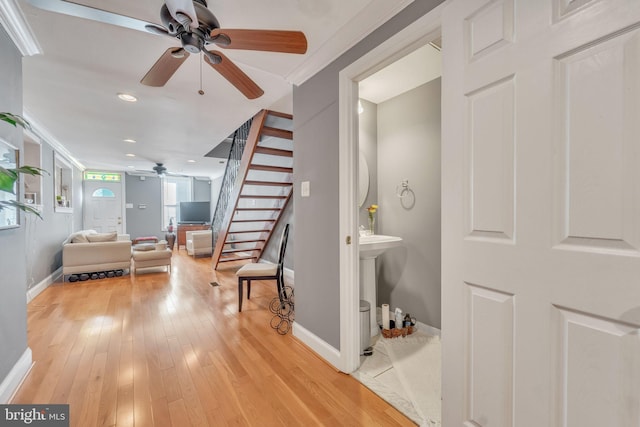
<point>102,237</point>
<point>144,247</point>
<point>161,245</point>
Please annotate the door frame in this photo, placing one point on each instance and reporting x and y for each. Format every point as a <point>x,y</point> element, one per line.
<point>424,30</point>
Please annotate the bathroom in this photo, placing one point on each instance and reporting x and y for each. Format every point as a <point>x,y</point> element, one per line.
<point>399,144</point>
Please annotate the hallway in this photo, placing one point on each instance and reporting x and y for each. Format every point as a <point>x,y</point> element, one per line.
<point>171,350</point>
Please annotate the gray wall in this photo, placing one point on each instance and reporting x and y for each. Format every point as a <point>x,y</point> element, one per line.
<point>202,191</point>
<point>317,241</point>
<point>13,307</point>
<point>271,251</point>
<point>44,236</point>
<point>368,146</point>
<point>409,148</point>
<point>148,221</point>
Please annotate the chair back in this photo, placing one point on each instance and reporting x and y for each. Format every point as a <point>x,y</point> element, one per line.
<point>283,244</point>
<point>283,248</point>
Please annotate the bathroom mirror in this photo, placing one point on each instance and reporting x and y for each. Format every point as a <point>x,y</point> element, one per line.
<point>363,180</point>
<point>9,216</point>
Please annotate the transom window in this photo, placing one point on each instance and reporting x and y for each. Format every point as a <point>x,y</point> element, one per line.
<point>103,192</point>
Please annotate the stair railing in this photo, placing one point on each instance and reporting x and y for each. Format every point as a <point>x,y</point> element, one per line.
<point>228,182</point>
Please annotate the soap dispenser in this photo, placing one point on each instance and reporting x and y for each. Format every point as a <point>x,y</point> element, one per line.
<point>398,318</point>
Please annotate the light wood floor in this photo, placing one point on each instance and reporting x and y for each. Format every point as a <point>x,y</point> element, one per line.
<point>162,349</point>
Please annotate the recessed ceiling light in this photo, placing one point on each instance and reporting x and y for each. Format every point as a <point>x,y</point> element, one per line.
<point>191,161</point>
<point>130,155</point>
<point>131,167</point>
<point>127,97</point>
<point>133,141</point>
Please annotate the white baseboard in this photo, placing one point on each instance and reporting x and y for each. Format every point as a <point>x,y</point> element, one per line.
<point>288,277</point>
<point>44,284</point>
<point>324,350</point>
<point>15,377</point>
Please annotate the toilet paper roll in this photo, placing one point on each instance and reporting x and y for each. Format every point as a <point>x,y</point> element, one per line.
<point>385,316</point>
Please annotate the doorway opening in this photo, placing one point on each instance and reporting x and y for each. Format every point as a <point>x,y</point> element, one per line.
<point>398,188</point>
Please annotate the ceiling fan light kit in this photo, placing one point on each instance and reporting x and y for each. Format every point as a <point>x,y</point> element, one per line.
<point>195,26</point>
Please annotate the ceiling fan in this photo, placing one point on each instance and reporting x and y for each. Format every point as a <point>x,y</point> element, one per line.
<point>196,27</point>
<point>159,169</point>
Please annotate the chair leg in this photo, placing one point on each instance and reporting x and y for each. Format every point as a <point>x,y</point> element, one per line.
<point>239,294</point>
<point>248,288</point>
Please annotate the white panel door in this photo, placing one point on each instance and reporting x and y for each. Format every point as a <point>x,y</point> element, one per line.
<point>103,206</point>
<point>541,213</point>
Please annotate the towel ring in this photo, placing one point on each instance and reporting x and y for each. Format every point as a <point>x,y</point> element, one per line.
<point>403,189</point>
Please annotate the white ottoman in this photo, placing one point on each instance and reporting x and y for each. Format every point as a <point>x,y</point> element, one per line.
<point>153,258</point>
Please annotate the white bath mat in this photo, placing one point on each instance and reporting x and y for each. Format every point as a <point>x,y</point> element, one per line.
<point>417,362</point>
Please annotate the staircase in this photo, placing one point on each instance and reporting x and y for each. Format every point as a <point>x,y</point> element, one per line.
<point>261,188</point>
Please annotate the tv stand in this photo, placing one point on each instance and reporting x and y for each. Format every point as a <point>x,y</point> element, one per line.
<point>183,228</point>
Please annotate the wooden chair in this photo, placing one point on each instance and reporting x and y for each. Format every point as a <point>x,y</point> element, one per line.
<point>264,271</point>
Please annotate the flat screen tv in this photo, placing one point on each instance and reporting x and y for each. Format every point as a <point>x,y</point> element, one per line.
<point>194,212</point>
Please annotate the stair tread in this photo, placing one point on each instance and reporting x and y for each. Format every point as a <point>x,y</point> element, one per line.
<point>236,258</point>
<point>231,251</point>
<point>249,231</point>
<point>276,132</point>
<point>233,242</point>
<point>254,196</point>
<point>279,114</point>
<point>258,209</point>
<point>273,151</point>
<point>254,220</point>
<point>269,168</point>
<point>268,183</point>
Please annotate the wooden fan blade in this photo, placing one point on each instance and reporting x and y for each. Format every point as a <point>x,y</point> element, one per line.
<point>235,76</point>
<point>87,12</point>
<point>265,40</point>
<point>165,67</point>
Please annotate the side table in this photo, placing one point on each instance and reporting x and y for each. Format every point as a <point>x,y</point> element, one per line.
<point>171,239</point>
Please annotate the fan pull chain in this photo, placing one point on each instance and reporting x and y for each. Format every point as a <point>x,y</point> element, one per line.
<point>201,92</point>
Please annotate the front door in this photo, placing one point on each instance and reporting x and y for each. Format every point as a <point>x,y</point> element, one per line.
<point>103,206</point>
<point>541,213</point>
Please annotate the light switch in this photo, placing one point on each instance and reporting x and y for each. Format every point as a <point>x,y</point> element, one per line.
<point>304,189</point>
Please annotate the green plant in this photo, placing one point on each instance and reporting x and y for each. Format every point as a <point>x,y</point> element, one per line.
<point>8,177</point>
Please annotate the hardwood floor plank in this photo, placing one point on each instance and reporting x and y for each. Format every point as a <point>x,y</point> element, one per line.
<point>160,349</point>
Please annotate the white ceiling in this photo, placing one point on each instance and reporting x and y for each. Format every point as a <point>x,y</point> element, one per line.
<point>413,70</point>
<point>70,90</point>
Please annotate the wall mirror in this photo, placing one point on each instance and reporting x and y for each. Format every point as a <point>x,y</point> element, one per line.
<point>9,216</point>
<point>63,184</point>
<point>363,180</point>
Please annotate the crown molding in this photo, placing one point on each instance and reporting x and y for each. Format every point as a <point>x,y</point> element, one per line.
<point>41,132</point>
<point>376,13</point>
<point>13,20</point>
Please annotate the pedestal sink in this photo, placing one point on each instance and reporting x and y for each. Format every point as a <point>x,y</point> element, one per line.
<point>370,248</point>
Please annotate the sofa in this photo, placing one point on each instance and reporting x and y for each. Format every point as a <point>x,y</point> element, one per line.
<point>199,242</point>
<point>88,251</point>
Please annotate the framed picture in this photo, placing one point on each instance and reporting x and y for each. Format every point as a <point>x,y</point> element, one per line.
<point>63,184</point>
<point>9,216</point>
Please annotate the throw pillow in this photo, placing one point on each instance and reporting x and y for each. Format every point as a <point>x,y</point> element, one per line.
<point>102,237</point>
<point>80,236</point>
<point>144,247</point>
<point>161,245</point>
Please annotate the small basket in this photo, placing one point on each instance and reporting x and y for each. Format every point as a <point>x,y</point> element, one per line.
<point>395,333</point>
